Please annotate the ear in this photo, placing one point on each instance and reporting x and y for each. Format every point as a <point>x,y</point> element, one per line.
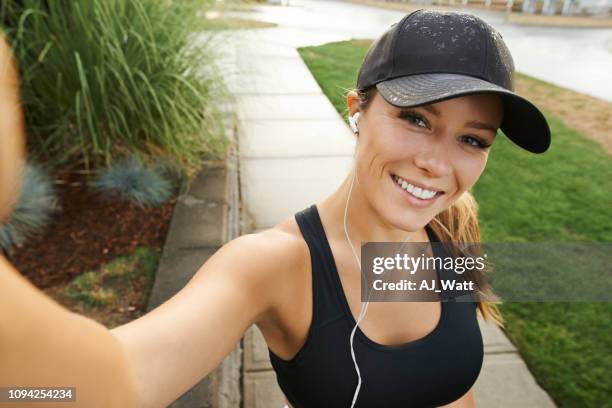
<point>352,102</point>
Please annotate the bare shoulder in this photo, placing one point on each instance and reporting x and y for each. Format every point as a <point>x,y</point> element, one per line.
<point>268,261</point>
<point>269,251</point>
<point>286,238</point>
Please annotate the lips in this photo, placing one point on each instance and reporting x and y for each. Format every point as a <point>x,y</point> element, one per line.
<point>416,194</point>
<point>419,185</point>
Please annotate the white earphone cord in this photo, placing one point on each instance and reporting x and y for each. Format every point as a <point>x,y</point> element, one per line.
<point>363,310</point>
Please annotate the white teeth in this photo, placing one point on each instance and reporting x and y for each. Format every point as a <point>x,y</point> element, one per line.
<point>415,191</point>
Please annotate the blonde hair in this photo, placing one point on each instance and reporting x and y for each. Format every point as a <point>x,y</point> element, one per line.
<point>458,224</point>
<point>11,131</point>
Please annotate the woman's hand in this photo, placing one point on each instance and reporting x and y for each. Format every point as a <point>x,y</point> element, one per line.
<point>11,131</point>
<point>41,343</point>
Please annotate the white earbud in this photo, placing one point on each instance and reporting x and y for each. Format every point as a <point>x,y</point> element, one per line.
<point>353,122</point>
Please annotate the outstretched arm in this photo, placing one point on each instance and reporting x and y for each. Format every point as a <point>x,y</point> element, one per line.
<point>152,360</point>
<point>185,338</point>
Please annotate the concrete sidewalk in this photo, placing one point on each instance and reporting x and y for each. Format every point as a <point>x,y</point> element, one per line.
<point>292,140</point>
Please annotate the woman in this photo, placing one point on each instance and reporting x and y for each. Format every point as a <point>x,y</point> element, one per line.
<point>431,94</point>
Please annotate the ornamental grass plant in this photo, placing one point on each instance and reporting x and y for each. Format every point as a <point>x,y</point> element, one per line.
<point>107,78</point>
<point>132,180</point>
<point>32,211</point>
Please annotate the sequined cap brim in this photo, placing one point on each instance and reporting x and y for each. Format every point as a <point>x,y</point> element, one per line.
<point>523,122</point>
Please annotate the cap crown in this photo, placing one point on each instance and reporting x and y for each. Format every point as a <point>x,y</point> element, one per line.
<point>428,41</point>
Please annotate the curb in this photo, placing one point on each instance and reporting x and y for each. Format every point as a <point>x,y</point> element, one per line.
<point>206,216</point>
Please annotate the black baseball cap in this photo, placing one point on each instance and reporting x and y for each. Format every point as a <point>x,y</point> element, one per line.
<point>430,56</point>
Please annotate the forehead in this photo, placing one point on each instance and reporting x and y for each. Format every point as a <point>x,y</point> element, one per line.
<point>476,100</point>
<point>482,105</point>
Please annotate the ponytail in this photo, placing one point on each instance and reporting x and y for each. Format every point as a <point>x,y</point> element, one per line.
<point>459,224</point>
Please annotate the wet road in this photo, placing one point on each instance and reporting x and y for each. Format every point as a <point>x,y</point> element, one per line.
<point>575,58</point>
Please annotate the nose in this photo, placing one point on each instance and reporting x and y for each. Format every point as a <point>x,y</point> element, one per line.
<point>433,158</point>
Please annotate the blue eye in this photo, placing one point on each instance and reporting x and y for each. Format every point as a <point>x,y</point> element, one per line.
<point>412,116</point>
<point>476,142</point>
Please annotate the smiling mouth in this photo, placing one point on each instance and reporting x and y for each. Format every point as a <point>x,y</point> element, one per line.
<point>419,192</point>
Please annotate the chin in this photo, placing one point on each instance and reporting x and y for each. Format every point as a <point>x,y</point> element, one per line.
<point>402,218</point>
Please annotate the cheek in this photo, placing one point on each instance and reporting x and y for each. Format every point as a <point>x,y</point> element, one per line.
<point>469,169</point>
<point>394,144</point>
<point>375,164</point>
<point>374,153</point>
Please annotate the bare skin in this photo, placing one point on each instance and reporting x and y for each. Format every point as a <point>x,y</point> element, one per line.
<point>265,278</point>
<point>11,130</point>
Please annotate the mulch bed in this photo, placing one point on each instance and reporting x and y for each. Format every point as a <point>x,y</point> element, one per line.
<point>88,231</point>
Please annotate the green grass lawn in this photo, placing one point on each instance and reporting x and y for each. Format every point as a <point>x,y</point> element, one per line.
<point>107,286</point>
<point>562,195</point>
<point>114,294</point>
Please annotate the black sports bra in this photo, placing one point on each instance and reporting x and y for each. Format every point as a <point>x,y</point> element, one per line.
<point>434,370</point>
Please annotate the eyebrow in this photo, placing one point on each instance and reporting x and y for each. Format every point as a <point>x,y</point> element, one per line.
<point>473,123</point>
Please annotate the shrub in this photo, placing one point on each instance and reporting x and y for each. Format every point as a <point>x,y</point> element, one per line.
<point>132,180</point>
<point>171,171</point>
<point>33,209</point>
<point>104,77</point>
